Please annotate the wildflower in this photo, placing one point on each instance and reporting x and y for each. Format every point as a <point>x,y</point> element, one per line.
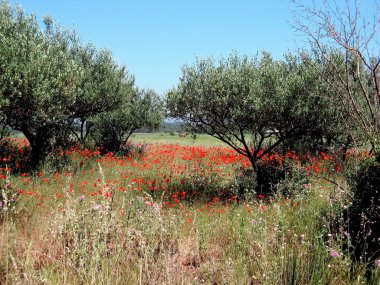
<point>97,207</point>
<point>81,198</point>
<point>334,254</point>
<point>377,263</point>
<point>307,186</point>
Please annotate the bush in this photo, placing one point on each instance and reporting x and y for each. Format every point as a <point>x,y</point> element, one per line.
<point>272,177</point>
<point>246,183</point>
<point>269,176</point>
<point>133,150</point>
<point>14,156</point>
<point>304,145</point>
<point>108,137</point>
<point>364,213</point>
<point>295,182</point>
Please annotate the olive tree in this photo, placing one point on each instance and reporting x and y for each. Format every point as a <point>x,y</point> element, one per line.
<point>38,78</point>
<point>102,85</point>
<point>48,79</point>
<point>142,108</point>
<point>253,105</point>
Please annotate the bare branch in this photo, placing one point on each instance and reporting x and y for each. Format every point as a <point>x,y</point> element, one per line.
<point>336,28</point>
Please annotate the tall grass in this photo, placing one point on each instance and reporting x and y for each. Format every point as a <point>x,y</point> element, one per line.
<point>103,224</point>
<point>128,240</point>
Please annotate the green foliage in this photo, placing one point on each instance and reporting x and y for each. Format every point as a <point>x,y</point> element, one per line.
<point>4,130</point>
<point>269,176</point>
<point>102,85</point>
<point>364,213</point>
<point>270,180</point>
<point>49,80</point>
<point>295,182</point>
<point>138,109</point>
<point>37,77</point>
<point>251,104</point>
<point>245,183</point>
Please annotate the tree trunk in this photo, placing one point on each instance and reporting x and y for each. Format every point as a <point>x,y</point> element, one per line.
<point>40,145</point>
<point>83,126</point>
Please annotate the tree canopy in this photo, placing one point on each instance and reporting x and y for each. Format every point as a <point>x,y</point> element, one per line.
<point>49,79</point>
<point>142,108</point>
<point>253,105</point>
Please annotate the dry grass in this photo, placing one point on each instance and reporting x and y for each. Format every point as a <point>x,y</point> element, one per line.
<point>240,244</point>
<point>128,237</point>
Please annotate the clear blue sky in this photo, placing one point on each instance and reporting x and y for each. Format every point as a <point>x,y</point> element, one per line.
<point>155,38</point>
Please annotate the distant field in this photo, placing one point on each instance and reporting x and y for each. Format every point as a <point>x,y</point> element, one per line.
<point>203,140</point>
<point>165,138</point>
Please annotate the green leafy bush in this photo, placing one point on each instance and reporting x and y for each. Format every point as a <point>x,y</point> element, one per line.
<point>364,213</point>
<point>272,178</point>
<point>142,108</point>
<point>269,175</point>
<point>245,183</point>
<point>295,182</point>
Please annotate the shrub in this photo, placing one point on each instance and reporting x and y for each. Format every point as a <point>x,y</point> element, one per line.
<point>269,176</point>
<point>295,182</point>
<point>272,177</point>
<point>303,145</point>
<point>14,156</point>
<point>133,150</point>
<point>246,183</point>
<point>364,213</point>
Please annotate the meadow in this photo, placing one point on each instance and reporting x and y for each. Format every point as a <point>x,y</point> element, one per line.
<point>171,213</point>
<point>175,138</point>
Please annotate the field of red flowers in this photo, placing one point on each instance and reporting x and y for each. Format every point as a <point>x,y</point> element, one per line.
<point>169,214</point>
<point>169,173</point>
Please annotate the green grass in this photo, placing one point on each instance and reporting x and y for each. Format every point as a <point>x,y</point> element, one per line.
<point>126,242</point>
<point>77,238</point>
<point>165,138</point>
